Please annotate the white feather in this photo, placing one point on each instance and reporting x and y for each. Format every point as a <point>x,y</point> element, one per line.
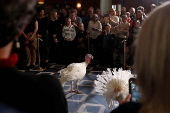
<point>113,85</point>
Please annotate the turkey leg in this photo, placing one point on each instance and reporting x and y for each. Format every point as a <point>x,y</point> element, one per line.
<point>72,87</point>
<point>77,91</point>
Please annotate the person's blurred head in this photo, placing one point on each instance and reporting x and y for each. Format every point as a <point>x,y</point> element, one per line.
<point>15,15</point>
<point>98,12</point>
<point>138,14</point>
<point>81,26</point>
<point>132,11</point>
<point>40,11</point>
<point>112,12</point>
<point>107,27</point>
<point>82,13</point>
<point>141,8</point>
<point>68,22</point>
<point>95,17</point>
<point>128,14</point>
<point>63,11</point>
<point>75,11</point>
<point>123,10</point>
<point>90,11</point>
<point>73,16</point>
<point>53,15</point>
<point>56,9</point>
<point>124,18</point>
<point>153,6</point>
<point>152,61</point>
<point>117,13</point>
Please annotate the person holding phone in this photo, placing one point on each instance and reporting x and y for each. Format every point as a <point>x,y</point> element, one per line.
<point>152,65</point>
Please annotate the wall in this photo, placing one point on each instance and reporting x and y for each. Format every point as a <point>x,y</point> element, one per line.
<point>105,6</point>
<point>85,3</point>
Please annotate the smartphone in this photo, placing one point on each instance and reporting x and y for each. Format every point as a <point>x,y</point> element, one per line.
<point>134,90</point>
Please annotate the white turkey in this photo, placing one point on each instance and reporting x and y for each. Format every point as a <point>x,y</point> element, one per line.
<point>75,71</point>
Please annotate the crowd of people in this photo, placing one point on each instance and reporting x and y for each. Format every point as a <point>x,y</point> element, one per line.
<point>67,35</point>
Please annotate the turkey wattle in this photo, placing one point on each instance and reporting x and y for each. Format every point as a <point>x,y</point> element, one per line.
<point>75,71</point>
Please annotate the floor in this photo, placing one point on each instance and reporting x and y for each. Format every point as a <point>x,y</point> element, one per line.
<point>89,101</point>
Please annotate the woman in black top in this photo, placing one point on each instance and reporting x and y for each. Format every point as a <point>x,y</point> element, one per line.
<point>43,33</point>
<point>55,37</point>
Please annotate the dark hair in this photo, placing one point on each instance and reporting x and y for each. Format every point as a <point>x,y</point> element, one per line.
<point>56,8</point>
<point>140,8</point>
<point>39,9</point>
<point>15,15</point>
<point>124,16</point>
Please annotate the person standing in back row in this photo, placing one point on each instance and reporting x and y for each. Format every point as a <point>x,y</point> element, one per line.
<point>30,41</point>
<point>43,34</point>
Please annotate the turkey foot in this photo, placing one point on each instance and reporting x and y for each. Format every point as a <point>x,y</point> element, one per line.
<point>72,87</point>
<point>72,91</point>
<point>79,92</point>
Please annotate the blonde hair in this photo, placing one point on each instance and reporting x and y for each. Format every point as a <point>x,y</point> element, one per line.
<point>66,21</point>
<point>114,11</point>
<point>152,61</point>
<point>94,16</point>
<point>81,24</point>
<point>52,15</point>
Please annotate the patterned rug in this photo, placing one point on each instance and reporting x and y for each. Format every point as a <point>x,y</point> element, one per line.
<point>89,101</point>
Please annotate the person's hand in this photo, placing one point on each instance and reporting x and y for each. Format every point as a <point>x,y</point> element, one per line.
<point>26,37</point>
<point>72,23</point>
<point>94,29</point>
<point>126,100</point>
<point>40,36</point>
<point>105,32</point>
<point>55,40</point>
<point>100,32</point>
<point>30,37</point>
<point>116,28</point>
<point>54,35</point>
<point>108,18</point>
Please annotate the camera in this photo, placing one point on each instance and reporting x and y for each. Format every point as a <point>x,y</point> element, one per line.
<point>103,32</point>
<point>134,90</point>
